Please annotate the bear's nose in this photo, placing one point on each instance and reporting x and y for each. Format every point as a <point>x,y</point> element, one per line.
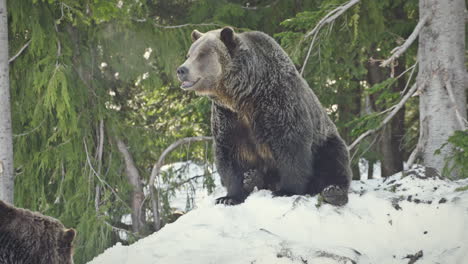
<point>181,71</point>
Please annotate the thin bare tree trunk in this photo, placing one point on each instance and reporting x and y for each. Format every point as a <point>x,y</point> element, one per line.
<point>441,68</point>
<point>138,214</point>
<point>6,136</point>
<point>391,141</point>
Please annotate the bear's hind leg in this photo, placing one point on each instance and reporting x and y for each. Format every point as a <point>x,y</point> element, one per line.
<point>333,172</point>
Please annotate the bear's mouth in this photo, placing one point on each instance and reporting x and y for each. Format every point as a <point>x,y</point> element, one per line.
<point>186,85</point>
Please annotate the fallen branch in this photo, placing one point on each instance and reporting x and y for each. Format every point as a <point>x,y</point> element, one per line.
<point>389,117</point>
<point>414,257</point>
<point>19,52</point>
<point>157,168</point>
<point>330,17</point>
<point>396,52</point>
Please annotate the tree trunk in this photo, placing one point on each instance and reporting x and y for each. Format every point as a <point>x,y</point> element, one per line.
<point>392,134</point>
<point>441,71</point>
<point>138,214</point>
<point>6,138</point>
<point>391,143</point>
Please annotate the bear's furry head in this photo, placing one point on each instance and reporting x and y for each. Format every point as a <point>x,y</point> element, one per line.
<point>207,60</point>
<point>30,237</point>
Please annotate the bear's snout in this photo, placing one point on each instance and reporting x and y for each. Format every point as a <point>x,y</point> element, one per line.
<point>182,72</point>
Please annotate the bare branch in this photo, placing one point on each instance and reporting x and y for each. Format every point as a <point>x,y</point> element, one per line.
<point>19,52</point>
<point>187,25</point>
<point>462,122</point>
<point>396,52</point>
<point>248,7</point>
<point>330,17</point>
<point>308,53</point>
<point>389,117</point>
<point>100,150</point>
<point>99,177</point>
<point>156,170</point>
<point>410,77</point>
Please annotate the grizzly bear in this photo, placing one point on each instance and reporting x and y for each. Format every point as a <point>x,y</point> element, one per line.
<point>269,128</point>
<point>31,238</point>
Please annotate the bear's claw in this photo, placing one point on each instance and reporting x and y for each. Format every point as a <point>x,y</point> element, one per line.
<point>226,200</point>
<point>335,195</point>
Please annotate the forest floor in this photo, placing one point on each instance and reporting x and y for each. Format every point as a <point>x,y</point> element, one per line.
<point>405,218</point>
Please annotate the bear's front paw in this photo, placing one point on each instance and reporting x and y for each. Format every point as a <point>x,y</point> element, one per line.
<point>280,193</point>
<point>335,195</point>
<point>227,200</point>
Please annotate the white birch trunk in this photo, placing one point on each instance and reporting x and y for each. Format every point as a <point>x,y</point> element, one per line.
<point>441,65</point>
<point>6,141</point>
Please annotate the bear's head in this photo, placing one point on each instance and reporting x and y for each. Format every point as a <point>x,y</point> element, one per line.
<point>207,60</point>
<point>30,237</point>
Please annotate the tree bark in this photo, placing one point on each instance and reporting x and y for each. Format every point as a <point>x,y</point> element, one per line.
<point>138,214</point>
<point>6,136</point>
<point>441,66</point>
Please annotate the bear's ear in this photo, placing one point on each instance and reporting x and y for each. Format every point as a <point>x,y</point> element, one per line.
<point>228,38</point>
<point>68,236</point>
<point>196,35</point>
<point>6,212</point>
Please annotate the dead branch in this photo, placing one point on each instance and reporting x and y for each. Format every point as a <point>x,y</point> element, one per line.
<point>157,168</point>
<point>248,7</point>
<point>396,52</point>
<point>330,17</point>
<point>389,117</point>
<point>187,25</point>
<point>461,121</point>
<point>99,177</point>
<point>308,53</point>
<point>19,52</point>
<point>410,77</point>
<point>100,150</point>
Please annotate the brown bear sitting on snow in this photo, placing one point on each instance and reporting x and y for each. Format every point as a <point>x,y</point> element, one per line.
<point>32,238</point>
<point>269,128</point>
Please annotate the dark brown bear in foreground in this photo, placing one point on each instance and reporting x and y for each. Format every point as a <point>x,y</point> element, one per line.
<point>31,238</point>
<point>269,127</point>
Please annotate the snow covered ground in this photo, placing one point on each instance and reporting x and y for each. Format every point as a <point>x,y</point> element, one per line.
<point>386,221</point>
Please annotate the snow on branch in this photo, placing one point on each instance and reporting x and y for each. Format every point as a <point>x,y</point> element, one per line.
<point>157,168</point>
<point>330,17</point>
<point>396,52</point>
<point>19,52</point>
<point>389,117</point>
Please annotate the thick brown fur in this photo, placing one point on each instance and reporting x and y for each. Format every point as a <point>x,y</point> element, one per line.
<point>28,237</point>
<point>265,118</point>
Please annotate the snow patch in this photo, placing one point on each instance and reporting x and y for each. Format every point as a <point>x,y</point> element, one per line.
<point>385,221</point>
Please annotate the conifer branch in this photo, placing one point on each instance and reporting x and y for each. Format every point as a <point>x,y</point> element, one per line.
<point>396,52</point>
<point>19,52</point>
<point>330,17</point>
<point>157,168</point>
<point>389,117</point>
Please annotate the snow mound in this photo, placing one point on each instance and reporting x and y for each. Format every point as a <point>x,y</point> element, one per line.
<point>386,221</point>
